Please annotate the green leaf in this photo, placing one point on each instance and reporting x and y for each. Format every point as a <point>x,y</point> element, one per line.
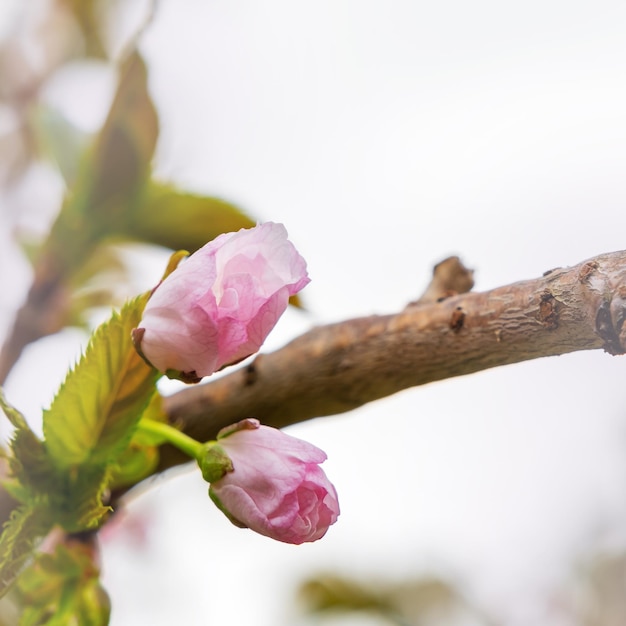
<point>94,414</point>
<point>178,220</point>
<point>134,464</point>
<point>141,457</point>
<point>17,541</point>
<point>92,606</point>
<point>111,176</point>
<point>75,501</point>
<point>71,497</point>
<point>31,468</point>
<point>124,148</point>
<point>15,417</point>
<point>63,588</point>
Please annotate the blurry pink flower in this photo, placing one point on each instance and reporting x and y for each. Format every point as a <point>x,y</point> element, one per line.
<point>219,305</point>
<point>276,487</point>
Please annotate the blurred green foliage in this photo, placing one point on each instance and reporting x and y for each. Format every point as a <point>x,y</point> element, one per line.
<point>63,588</point>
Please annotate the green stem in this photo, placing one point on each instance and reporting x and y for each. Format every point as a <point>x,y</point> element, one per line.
<point>168,433</point>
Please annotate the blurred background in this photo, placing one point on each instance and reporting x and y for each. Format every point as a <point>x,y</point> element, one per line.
<point>385,136</point>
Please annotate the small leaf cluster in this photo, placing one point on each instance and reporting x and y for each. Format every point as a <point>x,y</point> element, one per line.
<point>64,588</point>
<point>63,481</point>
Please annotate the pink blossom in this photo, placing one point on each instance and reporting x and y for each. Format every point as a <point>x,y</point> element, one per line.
<point>219,305</point>
<point>276,487</point>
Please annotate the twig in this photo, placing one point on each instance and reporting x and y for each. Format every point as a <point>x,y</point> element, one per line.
<point>336,368</point>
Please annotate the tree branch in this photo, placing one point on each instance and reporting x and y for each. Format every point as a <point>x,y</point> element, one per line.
<point>336,368</point>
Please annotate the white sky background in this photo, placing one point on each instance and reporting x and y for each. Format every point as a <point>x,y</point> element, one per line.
<point>386,136</point>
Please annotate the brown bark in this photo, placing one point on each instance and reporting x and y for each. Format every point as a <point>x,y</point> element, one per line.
<point>335,368</point>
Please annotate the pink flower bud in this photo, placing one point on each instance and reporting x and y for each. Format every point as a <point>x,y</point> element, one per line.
<point>276,487</point>
<point>218,306</point>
